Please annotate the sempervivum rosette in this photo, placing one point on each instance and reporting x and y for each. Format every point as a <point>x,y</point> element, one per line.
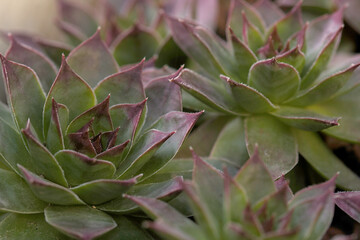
<point>272,84</point>
<point>72,145</point>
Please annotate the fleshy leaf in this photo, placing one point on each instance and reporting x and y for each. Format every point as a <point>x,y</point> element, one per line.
<point>82,222</point>
<point>28,226</point>
<point>135,44</point>
<point>213,94</point>
<point>253,174</point>
<point>77,18</point>
<point>277,144</point>
<point>347,106</point>
<point>235,17</point>
<point>317,154</point>
<point>277,81</point>
<point>114,154</point>
<point>48,191</point>
<point>165,190</point>
<point>99,115</point>
<point>123,87</point>
<point>127,228</point>
<point>320,32</point>
<point>269,11</point>
<point>25,94</point>
<point>349,202</point>
<point>321,61</point>
<point>252,37</point>
<point>79,168</point>
<point>304,119</point>
<point>92,60</point>
<point>170,223</point>
<point>12,148</point>
<point>219,49</point>
<point>290,23</point>
<point>316,205</point>
<point>325,89</point>
<point>230,143</point>
<point>244,58</point>
<point>5,115</point>
<point>40,63</point>
<point>179,122</point>
<point>162,93</point>
<point>249,98</point>
<point>203,137</point>
<point>294,57</point>
<point>193,46</point>
<point>58,121</point>
<point>43,161</point>
<point>103,190</point>
<point>234,198</point>
<point>81,142</point>
<point>67,87</point>
<point>206,195</point>
<point>15,195</point>
<point>128,118</point>
<point>141,152</point>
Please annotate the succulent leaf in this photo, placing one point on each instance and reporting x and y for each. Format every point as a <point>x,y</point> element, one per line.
<point>230,143</point>
<point>249,98</point>
<point>140,155</point>
<point>277,81</point>
<point>103,190</point>
<point>179,122</point>
<point>162,190</point>
<point>159,92</point>
<point>265,131</point>
<point>123,87</point>
<point>304,119</point>
<point>39,62</point>
<point>128,118</point>
<point>28,226</point>
<point>315,151</point>
<point>92,60</point>
<point>48,191</point>
<point>79,168</point>
<point>212,93</point>
<point>140,41</point>
<point>67,87</point>
<point>193,46</point>
<point>43,161</point>
<point>25,94</point>
<point>16,196</point>
<point>81,222</point>
<point>349,203</point>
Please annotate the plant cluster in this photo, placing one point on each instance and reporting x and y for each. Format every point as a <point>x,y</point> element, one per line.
<point>93,132</point>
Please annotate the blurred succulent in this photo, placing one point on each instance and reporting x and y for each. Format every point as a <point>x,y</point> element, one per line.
<point>248,206</point>
<point>314,8</point>
<point>135,26</point>
<point>274,89</point>
<point>68,156</point>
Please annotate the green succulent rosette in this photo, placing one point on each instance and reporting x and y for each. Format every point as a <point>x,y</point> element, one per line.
<point>248,206</point>
<point>273,83</point>
<point>73,140</point>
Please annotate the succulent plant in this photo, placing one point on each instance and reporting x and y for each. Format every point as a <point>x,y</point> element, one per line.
<point>73,140</point>
<point>135,26</point>
<point>269,84</point>
<point>248,206</point>
<point>313,8</point>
